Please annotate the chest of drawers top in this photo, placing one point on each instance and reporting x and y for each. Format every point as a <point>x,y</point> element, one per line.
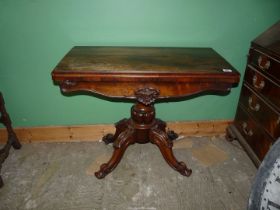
<point>270,41</point>
<point>264,54</point>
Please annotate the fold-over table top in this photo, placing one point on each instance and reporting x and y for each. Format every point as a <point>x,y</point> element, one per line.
<point>142,59</point>
<point>143,66</point>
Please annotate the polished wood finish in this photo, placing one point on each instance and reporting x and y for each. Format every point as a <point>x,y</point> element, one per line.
<point>145,75</point>
<point>257,121</point>
<point>12,138</point>
<point>141,128</point>
<point>99,69</point>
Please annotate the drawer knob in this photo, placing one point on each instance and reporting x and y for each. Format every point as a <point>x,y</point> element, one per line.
<point>245,129</point>
<point>258,84</point>
<point>254,108</point>
<point>263,62</point>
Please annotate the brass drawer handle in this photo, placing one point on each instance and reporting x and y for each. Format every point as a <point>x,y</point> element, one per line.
<point>255,83</point>
<point>263,63</point>
<point>254,108</point>
<point>245,129</point>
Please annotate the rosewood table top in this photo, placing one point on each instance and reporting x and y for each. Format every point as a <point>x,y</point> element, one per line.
<point>117,71</point>
<point>145,74</point>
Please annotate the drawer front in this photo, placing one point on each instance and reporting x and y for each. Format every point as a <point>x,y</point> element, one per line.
<point>267,117</point>
<point>263,85</point>
<point>254,135</point>
<point>265,63</point>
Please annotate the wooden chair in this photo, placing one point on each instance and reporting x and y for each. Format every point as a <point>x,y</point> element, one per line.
<point>12,138</point>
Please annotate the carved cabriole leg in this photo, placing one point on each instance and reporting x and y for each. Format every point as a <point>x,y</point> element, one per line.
<point>120,145</point>
<point>120,127</point>
<point>160,138</point>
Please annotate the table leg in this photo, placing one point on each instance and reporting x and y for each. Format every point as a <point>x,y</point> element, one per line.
<point>120,145</point>
<point>160,138</point>
<point>120,127</point>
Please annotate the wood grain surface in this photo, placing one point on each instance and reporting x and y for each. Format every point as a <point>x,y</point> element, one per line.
<point>117,72</point>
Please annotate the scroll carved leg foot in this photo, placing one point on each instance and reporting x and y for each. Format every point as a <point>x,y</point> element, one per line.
<point>120,145</point>
<point>120,127</point>
<point>161,139</point>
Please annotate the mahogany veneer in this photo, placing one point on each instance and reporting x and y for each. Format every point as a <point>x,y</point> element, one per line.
<point>145,75</point>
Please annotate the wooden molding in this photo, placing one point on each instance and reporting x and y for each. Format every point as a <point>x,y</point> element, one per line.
<point>96,132</point>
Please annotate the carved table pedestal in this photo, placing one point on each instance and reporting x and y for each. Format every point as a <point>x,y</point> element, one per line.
<point>141,128</point>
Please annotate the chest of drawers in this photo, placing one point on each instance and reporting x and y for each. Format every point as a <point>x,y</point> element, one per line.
<point>257,121</point>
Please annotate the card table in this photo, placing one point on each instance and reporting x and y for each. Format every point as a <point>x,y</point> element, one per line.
<point>145,75</point>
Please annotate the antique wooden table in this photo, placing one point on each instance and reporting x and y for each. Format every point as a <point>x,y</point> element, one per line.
<point>144,75</point>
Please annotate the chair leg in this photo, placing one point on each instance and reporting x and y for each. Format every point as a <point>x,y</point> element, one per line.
<point>12,137</point>
<point>6,121</point>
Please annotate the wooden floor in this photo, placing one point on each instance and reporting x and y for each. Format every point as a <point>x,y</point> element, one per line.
<point>61,176</point>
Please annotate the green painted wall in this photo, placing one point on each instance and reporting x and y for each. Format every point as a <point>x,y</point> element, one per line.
<point>35,34</point>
